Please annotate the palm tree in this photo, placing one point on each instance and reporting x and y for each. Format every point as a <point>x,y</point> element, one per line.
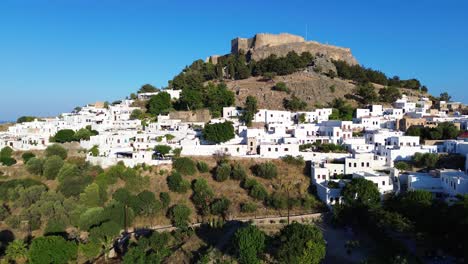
<point>17,251</point>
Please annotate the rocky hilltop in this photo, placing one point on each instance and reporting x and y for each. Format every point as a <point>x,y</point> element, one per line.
<point>263,45</point>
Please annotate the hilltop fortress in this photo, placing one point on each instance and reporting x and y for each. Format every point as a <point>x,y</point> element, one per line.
<point>263,45</point>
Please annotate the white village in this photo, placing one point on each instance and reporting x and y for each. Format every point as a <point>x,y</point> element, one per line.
<point>370,146</point>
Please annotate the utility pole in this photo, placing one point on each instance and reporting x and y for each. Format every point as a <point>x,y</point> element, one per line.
<point>125,219</point>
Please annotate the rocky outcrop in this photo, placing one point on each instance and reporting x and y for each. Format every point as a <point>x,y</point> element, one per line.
<point>263,45</point>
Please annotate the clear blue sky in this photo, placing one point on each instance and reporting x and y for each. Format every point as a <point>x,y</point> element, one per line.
<point>55,55</point>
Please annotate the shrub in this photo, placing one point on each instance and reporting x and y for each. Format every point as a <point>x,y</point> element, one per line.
<point>248,207</point>
<point>6,152</point>
<point>27,156</point>
<point>281,86</point>
<point>52,249</point>
<point>52,166</point>
<point>7,161</point>
<point>223,172</point>
<point>176,183</point>
<point>186,166</point>
<point>56,149</point>
<point>238,172</point>
<point>278,201</point>
<point>179,215</point>
<point>298,161</point>
<point>94,151</point>
<point>202,167</point>
<point>220,206</point>
<point>165,199</point>
<point>267,170</point>
<point>258,192</point>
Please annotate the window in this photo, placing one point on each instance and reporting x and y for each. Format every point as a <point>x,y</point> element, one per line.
<point>383,182</point>
<point>269,149</point>
<point>286,149</point>
<point>362,164</point>
<point>276,149</point>
<point>368,164</point>
<point>355,165</point>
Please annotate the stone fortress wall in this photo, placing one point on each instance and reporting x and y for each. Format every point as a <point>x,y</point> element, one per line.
<point>263,45</point>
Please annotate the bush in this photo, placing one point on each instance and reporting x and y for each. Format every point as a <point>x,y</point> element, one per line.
<point>56,149</point>
<point>52,166</point>
<point>6,152</point>
<point>179,215</point>
<point>186,166</point>
<point>35,166</point>
<point>27,156</point>
<point>176,183</point>
<point>165,199</point>
<point>294,104</point>
<point>267,170</point>
<point>223,172</point>
<point>220,206</point>
<point>298,161</point>
<point>278,201</point>
<point>7,161</point>
<point>238,172</point>
<point>52,249</point>
<point>248,207</point>
<point>281,86</point>
<point>202,195</point>
<point>202,167</point>
<point>258,192</point>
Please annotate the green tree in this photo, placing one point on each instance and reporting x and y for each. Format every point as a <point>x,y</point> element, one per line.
<point>35,166</point>
<point>163,149</point>
<point>217,97</point>
<point>52,166</point>
<point>52,249</point>
<point>180,215</point>
<point>445,97</point>
<point>202,196</point>
<point>176,183</point>
<point>361,192</point>
<point>367,93</point>
<point>190,99</point>
<point>137,114</point>
<point>301,243</point>
<point>83,134</point>
<point>249,244</point>
<point>148,88</point>
<point>56,149</point>
<point>105,234</point>
<point>294,103</point>
<point>25,119</point>
<point>147,204</point>
<point>64,135</point>
<point>389,94</point>
<point>250,109</point>
<point>91,197</point>
<point>159,104</point>
<point>219,132</point>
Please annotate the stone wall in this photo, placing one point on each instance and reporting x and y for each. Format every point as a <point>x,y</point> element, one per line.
<point>263,45</point>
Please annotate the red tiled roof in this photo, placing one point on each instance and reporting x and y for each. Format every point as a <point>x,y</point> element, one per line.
<point>463,135</point>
